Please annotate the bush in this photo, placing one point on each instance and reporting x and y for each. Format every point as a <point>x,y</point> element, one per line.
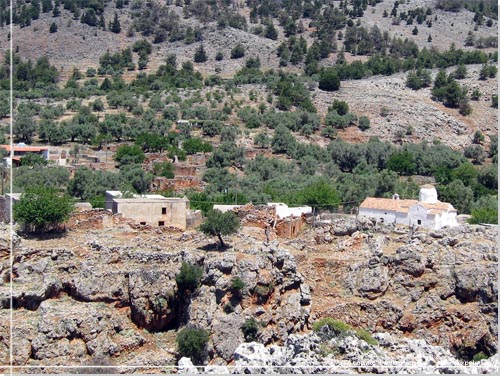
<point>192,343</point>
<point>479,356</point>
<point>189,277</point>
<point>228,308</point>
<point>484,215</point>
<point>364,123</point>
<point>366,336</point>
<point>53,28</point>
<point>250,329</point>
<point>237,52</point>
<point>336,326</point>
<point>237,284</point>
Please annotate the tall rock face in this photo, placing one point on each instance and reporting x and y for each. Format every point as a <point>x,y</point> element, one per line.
<point>437,285</point>
<point>120,302</point>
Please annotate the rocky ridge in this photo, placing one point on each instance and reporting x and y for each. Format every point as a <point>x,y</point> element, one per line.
<point>110,295</point>
<point>345,354</point>
<point>100,300</point>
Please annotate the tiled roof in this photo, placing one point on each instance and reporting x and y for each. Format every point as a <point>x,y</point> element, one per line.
<point>403,206</point>
<point>24,148</point>
<point>387,204</point>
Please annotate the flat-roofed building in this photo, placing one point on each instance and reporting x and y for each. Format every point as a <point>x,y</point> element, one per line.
<point>152,210</point>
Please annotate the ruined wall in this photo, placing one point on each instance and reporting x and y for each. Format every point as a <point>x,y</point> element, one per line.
<point>179,183</point>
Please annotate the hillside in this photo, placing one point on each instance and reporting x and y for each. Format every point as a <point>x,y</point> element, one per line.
<point>303,102</point>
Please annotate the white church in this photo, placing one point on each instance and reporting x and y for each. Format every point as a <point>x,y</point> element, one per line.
<point>427,212</point>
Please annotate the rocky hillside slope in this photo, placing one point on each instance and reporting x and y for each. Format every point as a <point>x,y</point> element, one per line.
<point>439,285</point>
<point>109,296</point>
<point>96,299</point>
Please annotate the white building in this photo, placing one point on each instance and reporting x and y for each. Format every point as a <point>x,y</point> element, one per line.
<point>426,212</point>
<point>282,209</point>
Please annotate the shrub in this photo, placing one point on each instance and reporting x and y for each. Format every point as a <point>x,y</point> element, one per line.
<point>228,308</point>
<point>53,28</point>
<point>336,326</point>
<point>200,56</point>
<point>366,336</point>
<point>237,52</point>
<point>329,80</point>
<point>237,284</point>
<point>484,215</point>
<point>364,123</point>
<point>250,329</point>
<point>479,356</point>
<point>192,342</point>
<point>189,277</point>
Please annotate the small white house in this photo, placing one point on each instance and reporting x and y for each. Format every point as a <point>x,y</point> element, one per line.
<point>282,209</point>
<point>427,211</point>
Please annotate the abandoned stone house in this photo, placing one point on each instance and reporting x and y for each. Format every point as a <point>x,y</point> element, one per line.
<point>154,210</point>
<point>427,211</point>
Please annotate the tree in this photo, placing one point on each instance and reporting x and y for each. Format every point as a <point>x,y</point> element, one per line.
<point>126,154</point>
<point>135,178</point>
<point>218,224</point>
<point>460,73</point>
<point>192,343</point>
<point>459,195</point>
<point>33,160</point>
<point>271,32</point>
<point>200,56</point>
<point>115,26</point>
<point>415,31</point>
<point>402,162</point>
<point>42,209</point>
<point>283,140</point>
<point>53,28</point>
<point>262,140</point>
<point>329,80</point>
<point>319,194</point>
<point>24,127</point>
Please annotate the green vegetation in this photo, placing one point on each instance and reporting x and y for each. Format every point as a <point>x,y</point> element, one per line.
<point>42,209</point>
<point>217,224</point>
<point>192,342</point>
<point>366,336</point>
<point>189,277</point>
<point>328,327</point>
<point>336,326</point>
<point>250,329</point>
<point>237,285</point>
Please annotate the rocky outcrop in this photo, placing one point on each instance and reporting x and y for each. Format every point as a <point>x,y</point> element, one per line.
<point>437,285</point>
<point>349,354</point>
<point>118,301</point>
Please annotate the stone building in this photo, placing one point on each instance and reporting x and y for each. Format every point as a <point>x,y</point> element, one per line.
<point>427,211</point>
<point>153,210</point>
